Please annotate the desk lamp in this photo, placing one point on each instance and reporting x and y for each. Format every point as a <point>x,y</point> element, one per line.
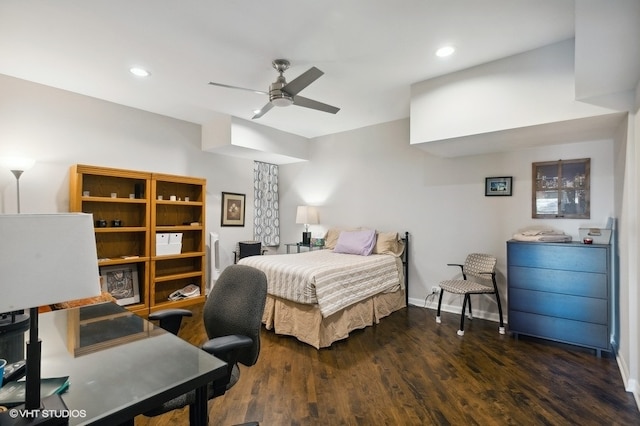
<point>306,215</point>
<point>44,259</point>
<point>14,324</point>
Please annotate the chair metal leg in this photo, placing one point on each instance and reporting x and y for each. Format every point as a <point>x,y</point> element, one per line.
<point>468,297</point>
<point>438,320</point>
<point>464,306</point>
<point>501,328</point>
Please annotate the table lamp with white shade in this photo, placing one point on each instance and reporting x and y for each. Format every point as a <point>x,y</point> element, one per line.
<point>307,215</point>
<point>13,324</point>
<point>44,259</point>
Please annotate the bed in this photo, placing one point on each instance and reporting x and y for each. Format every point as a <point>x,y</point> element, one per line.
<point>320,296</point>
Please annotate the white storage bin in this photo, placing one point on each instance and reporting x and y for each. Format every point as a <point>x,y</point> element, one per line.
<point>166,249</point>
<point>168,243</point>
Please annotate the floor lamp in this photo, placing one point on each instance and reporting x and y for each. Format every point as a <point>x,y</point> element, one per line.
<point>44,259</point>
<point>17,165</point>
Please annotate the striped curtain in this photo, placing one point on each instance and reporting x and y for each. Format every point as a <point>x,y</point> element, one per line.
<point>266,219</point>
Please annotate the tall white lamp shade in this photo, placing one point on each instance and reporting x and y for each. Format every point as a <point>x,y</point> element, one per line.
<point>45,259</point>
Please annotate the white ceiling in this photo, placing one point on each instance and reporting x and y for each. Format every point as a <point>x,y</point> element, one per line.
<point>370,50</point>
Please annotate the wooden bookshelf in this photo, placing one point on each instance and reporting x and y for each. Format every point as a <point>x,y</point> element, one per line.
<point>127,215</point>
<point>181,210</point>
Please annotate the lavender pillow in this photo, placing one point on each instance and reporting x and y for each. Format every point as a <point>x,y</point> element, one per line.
<point>356,242</point>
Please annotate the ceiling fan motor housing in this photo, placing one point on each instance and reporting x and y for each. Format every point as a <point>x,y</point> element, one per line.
<point>277,96</point>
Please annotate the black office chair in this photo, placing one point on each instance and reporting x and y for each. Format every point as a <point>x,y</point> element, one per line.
<point>232,318</point>
<point>246,249</point>
<point>479,277</point>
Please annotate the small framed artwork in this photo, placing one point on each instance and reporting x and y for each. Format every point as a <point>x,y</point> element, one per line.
<point>121,282</point>
<point>233,206</point>
<point>499,186</point>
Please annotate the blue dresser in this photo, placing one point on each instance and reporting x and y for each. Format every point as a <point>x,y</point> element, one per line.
<point>561,292</point>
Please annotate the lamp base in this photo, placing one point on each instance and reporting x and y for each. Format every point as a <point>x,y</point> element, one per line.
<point>306,238</point>
<point>56,414</point>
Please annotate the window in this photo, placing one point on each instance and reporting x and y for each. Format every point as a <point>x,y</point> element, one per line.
<point>561,189</point>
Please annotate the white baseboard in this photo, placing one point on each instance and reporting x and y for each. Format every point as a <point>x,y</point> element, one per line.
<point>432,303</point>
<point>630,385</point>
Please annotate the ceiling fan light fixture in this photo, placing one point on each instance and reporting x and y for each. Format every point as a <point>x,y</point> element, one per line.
<point>282,101</point>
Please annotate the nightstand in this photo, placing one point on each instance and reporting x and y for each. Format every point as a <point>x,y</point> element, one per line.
<point>309,247</point>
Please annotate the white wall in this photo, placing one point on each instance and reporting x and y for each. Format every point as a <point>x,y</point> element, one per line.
<point>59,128</point>
<point>372,177</point>
<point>528,89</point>
<point>631,326</point>
<point>628,353</point>
<point>233,136</point>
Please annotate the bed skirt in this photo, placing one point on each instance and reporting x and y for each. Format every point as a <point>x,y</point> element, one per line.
<point>307,324</point>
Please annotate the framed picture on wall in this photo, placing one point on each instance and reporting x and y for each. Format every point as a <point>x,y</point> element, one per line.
<point>233,206</point>
<point>121,282</point>
<point>498,186</point>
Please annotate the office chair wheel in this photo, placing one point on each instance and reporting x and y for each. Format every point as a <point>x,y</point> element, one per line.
<point>460,332</point>
<point>501,330</point>
<point>438,320</point>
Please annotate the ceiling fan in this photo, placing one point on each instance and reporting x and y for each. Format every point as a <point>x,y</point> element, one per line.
<point>284,94</point>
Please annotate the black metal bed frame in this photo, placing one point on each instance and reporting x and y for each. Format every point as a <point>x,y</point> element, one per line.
<point>405,264</point>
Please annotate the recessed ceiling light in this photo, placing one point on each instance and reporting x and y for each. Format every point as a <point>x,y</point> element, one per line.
<point>140,72</point>
<point>445,51</point>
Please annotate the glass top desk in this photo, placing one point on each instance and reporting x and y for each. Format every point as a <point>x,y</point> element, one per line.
<point>120,365</point>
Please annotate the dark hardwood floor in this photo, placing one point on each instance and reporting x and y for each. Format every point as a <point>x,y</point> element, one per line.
<point>408,370</point>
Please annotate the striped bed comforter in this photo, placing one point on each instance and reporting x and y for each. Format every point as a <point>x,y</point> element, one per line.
<point>332,280</point>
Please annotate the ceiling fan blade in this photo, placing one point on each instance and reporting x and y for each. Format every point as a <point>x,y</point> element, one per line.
<point>263,111</point>
<point>236,87</point>
<point>303,80</point>
<point>310,103</point>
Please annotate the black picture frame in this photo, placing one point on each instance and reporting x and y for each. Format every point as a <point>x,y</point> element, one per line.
<point>233,209</point>
<point>501,186</point>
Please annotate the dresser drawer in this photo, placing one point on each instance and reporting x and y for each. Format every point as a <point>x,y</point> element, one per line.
<point>560,329</point>
<point>559,305</point>
<point>557,281</point>
<point>561,256</point>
